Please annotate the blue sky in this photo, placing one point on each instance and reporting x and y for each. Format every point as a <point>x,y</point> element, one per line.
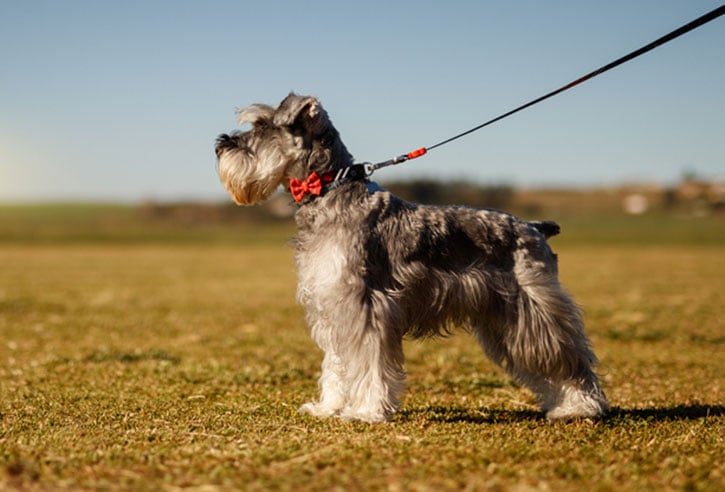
<point>122,101</point>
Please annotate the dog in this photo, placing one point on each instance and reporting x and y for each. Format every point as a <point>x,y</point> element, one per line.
<point>374,269</point>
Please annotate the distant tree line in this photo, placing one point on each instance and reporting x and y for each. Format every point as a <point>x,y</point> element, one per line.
<point>691,196</point>
<point>432,192</point>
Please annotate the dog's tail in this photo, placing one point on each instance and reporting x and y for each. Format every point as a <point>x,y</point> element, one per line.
<point>548,228</point>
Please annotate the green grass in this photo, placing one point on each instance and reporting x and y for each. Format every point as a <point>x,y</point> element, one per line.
<point>154,364</point>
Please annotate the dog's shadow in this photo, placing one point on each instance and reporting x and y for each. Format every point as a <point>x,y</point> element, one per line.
<point>616,415</point>
<point>469,415</point>
<point>664,414</point>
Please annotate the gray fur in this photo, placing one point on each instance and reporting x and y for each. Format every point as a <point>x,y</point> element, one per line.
<point>374,269</point>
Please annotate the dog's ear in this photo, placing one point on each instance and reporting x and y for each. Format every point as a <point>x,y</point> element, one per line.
<point>254,113</point>
<point>301,110</point>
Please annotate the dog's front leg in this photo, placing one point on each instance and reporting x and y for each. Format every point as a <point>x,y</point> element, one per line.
<point>332,392</point>
<point>374,374</point>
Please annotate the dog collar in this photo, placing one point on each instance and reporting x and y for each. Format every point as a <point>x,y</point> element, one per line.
<point>316,185</point>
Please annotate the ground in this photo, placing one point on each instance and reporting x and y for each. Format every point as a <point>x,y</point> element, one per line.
<point>153,364</point>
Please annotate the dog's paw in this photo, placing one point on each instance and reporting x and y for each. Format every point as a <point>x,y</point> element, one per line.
<point>574,404</point>
<point>364,416</point>
<point>317,410</point>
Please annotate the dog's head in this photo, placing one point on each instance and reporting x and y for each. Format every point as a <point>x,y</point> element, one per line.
<point>289,141</point>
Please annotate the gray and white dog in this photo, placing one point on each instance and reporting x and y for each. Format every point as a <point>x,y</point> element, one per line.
<point>374,268</point>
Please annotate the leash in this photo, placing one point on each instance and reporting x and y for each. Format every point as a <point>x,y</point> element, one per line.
<point>714,14</point>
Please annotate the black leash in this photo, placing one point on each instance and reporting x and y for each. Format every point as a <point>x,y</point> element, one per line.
<point>370,168</point>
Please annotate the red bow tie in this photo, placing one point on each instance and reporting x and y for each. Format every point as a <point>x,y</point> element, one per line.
<point>312,185</point>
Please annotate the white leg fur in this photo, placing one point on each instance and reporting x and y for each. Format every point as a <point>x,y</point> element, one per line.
<point>571,400</point>
<point>375,380</point>
<point>332,389</point>
<point>365,386</point>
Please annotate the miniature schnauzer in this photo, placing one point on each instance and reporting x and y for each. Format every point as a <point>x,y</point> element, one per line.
<point>374,268</point>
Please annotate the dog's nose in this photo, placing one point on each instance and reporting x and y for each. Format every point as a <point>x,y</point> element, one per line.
<point>224,142</point>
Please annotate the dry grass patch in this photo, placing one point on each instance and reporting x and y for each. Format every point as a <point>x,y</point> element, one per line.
<point>164,367</point>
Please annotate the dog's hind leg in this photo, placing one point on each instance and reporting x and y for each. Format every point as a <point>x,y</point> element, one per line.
<point>550,353</point>
<point>535,332</point>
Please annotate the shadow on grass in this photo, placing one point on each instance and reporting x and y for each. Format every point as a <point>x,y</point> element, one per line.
<point>457,414</point>
<point>665,414</point>
<point>100,357</point>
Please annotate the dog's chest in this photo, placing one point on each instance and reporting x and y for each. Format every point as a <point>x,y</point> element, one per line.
<point>322,266</point>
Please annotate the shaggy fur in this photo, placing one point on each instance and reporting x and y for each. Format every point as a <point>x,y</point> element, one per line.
<point>374,269</point>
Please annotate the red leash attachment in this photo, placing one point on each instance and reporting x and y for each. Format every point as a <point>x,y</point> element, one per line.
<point>371,168</point>
<point>416,153</point>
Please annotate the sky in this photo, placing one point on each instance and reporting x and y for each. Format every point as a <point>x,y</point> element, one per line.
<point>122,101</point>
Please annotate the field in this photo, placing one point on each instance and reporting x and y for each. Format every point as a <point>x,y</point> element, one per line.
<point>146,355</point>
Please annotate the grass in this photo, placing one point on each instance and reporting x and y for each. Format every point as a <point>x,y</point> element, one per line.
<point>152,364</point>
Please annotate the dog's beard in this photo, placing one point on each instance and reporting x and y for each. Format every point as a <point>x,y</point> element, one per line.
<point>250,179</point>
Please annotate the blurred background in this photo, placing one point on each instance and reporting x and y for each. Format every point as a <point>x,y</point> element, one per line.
<point>114,107</point>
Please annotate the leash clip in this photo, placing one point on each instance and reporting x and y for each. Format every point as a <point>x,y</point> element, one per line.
<point>371,168</point>
<point>368,168</point>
